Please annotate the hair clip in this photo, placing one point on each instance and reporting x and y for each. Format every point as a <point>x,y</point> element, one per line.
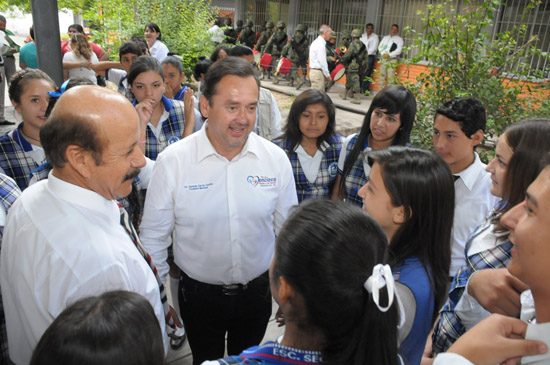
<point>57,94</point>
<point>381,276</point>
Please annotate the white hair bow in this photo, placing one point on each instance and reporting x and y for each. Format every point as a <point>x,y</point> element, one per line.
<point>381,276</point>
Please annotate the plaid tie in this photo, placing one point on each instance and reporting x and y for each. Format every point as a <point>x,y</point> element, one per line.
<point>125,222</point>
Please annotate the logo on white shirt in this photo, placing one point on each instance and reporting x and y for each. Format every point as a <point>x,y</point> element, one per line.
<point>333,169</point>
<point>262,181</point>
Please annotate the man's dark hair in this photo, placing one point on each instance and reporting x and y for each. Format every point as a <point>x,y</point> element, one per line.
<point>201,67</point>
<point>240,51</point>
<point>372,25</point>
<point>31,32</point>
<point>395,25</point>
<point>117,327</point>
<point>467,111</point>
<point>228,66</point>
<point>3,19</point>
<point>129,47</point>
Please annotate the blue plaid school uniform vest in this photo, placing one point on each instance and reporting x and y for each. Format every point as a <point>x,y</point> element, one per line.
<point>14,159</point>
<point>450,328</point>
<point>321,188</point>
<point>171,131</point>
<point>356,178</point>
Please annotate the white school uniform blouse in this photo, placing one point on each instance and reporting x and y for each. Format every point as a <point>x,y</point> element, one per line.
<point>63,243</point>
<point>223,215</point>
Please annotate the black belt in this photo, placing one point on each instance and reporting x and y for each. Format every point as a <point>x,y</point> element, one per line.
<point>320,69</point>
<point>229,289</point>
<point>10,56</point>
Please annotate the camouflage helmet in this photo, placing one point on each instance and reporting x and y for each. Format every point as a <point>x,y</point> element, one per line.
<point>239,23</point>
<point>269,25</point>
<point>227,22</point>
<point>356,33</point>
<point>249,23</point>
<point>346,34</point>
<point>281,24</point>
<point>333,36</point>
<point>301,28</point>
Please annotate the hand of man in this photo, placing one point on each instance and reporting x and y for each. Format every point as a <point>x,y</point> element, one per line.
<point>497,339</point>
<point>497,291</point>
<point>328,78</point>
<point>386,55</point>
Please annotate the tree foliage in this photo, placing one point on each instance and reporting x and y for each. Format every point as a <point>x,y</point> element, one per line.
<point>463,59</point>
<point>184,23</point>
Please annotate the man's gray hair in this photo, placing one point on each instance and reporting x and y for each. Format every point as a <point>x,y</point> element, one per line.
<point>324,28</point>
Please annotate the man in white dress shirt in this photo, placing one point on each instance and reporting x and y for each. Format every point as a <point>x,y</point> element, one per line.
<point>370,39</point>
<point>63,238</point>
<point>459,126</point>
<point>390,49</point>
<point>221,195</point>
<point>318,67</point>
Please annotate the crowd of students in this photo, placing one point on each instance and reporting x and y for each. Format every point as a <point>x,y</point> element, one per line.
<point>353,286</point>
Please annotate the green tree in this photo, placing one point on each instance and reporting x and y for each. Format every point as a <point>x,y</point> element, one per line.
<point>184,25</point>
<point>464,60</point>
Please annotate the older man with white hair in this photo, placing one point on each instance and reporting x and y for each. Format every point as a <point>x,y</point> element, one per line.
<point>318,67</point>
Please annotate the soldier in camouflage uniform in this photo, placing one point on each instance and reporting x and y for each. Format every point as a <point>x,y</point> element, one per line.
<point>346,39</point>
<point>230,33</point>
<point>239,28</point>
<point>248,36</point>
<point>297,51</point>
<point>332,56</point>
<point>355,60</point>
<point>275,46</point>
<point>264,37</point>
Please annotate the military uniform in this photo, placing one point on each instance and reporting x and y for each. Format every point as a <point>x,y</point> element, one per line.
<point>276,43</point>
<point>239,28</point>
<point>332,57</point>
<point>248,36</point>
<point>355,60</point>
<point>297,51</point>
<point>229,33</point>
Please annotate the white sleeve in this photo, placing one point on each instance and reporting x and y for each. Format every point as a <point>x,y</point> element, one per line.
<point>449,358</point>
<point>374,45</point>
<point>158,220</point>
<point>275,118</point>
<point>397,51</point>
<point>343,153</point>
<point>287,196</point>
<point>146,172</point>
<point>469,310</point>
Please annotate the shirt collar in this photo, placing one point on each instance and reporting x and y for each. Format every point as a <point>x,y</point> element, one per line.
<point>323,147</point>
<point>86,198</point>
<point>20,139</point>
<point>205,148</point>
<point>469,175</point>
<point>167,103</point>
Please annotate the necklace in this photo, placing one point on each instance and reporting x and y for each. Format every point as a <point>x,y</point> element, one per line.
<point>29,137</point>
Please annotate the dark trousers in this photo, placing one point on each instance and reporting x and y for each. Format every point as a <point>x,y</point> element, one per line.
<point>365,84</point>
<point>212,311</point>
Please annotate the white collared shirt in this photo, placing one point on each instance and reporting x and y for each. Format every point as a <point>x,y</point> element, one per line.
<point>159,50</point>
<point>310,164</point>
<point>318,56</point>
<point>473,202</point>
<point>223,215</point>
<point>385,46</point>
<point>371,43</point>
<point>63,243</point>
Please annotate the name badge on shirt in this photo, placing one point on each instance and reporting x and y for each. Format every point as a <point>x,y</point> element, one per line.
<point>196,187</point>
<point>262,181</point>
<point>333,169</point>
<point>173,139</point>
